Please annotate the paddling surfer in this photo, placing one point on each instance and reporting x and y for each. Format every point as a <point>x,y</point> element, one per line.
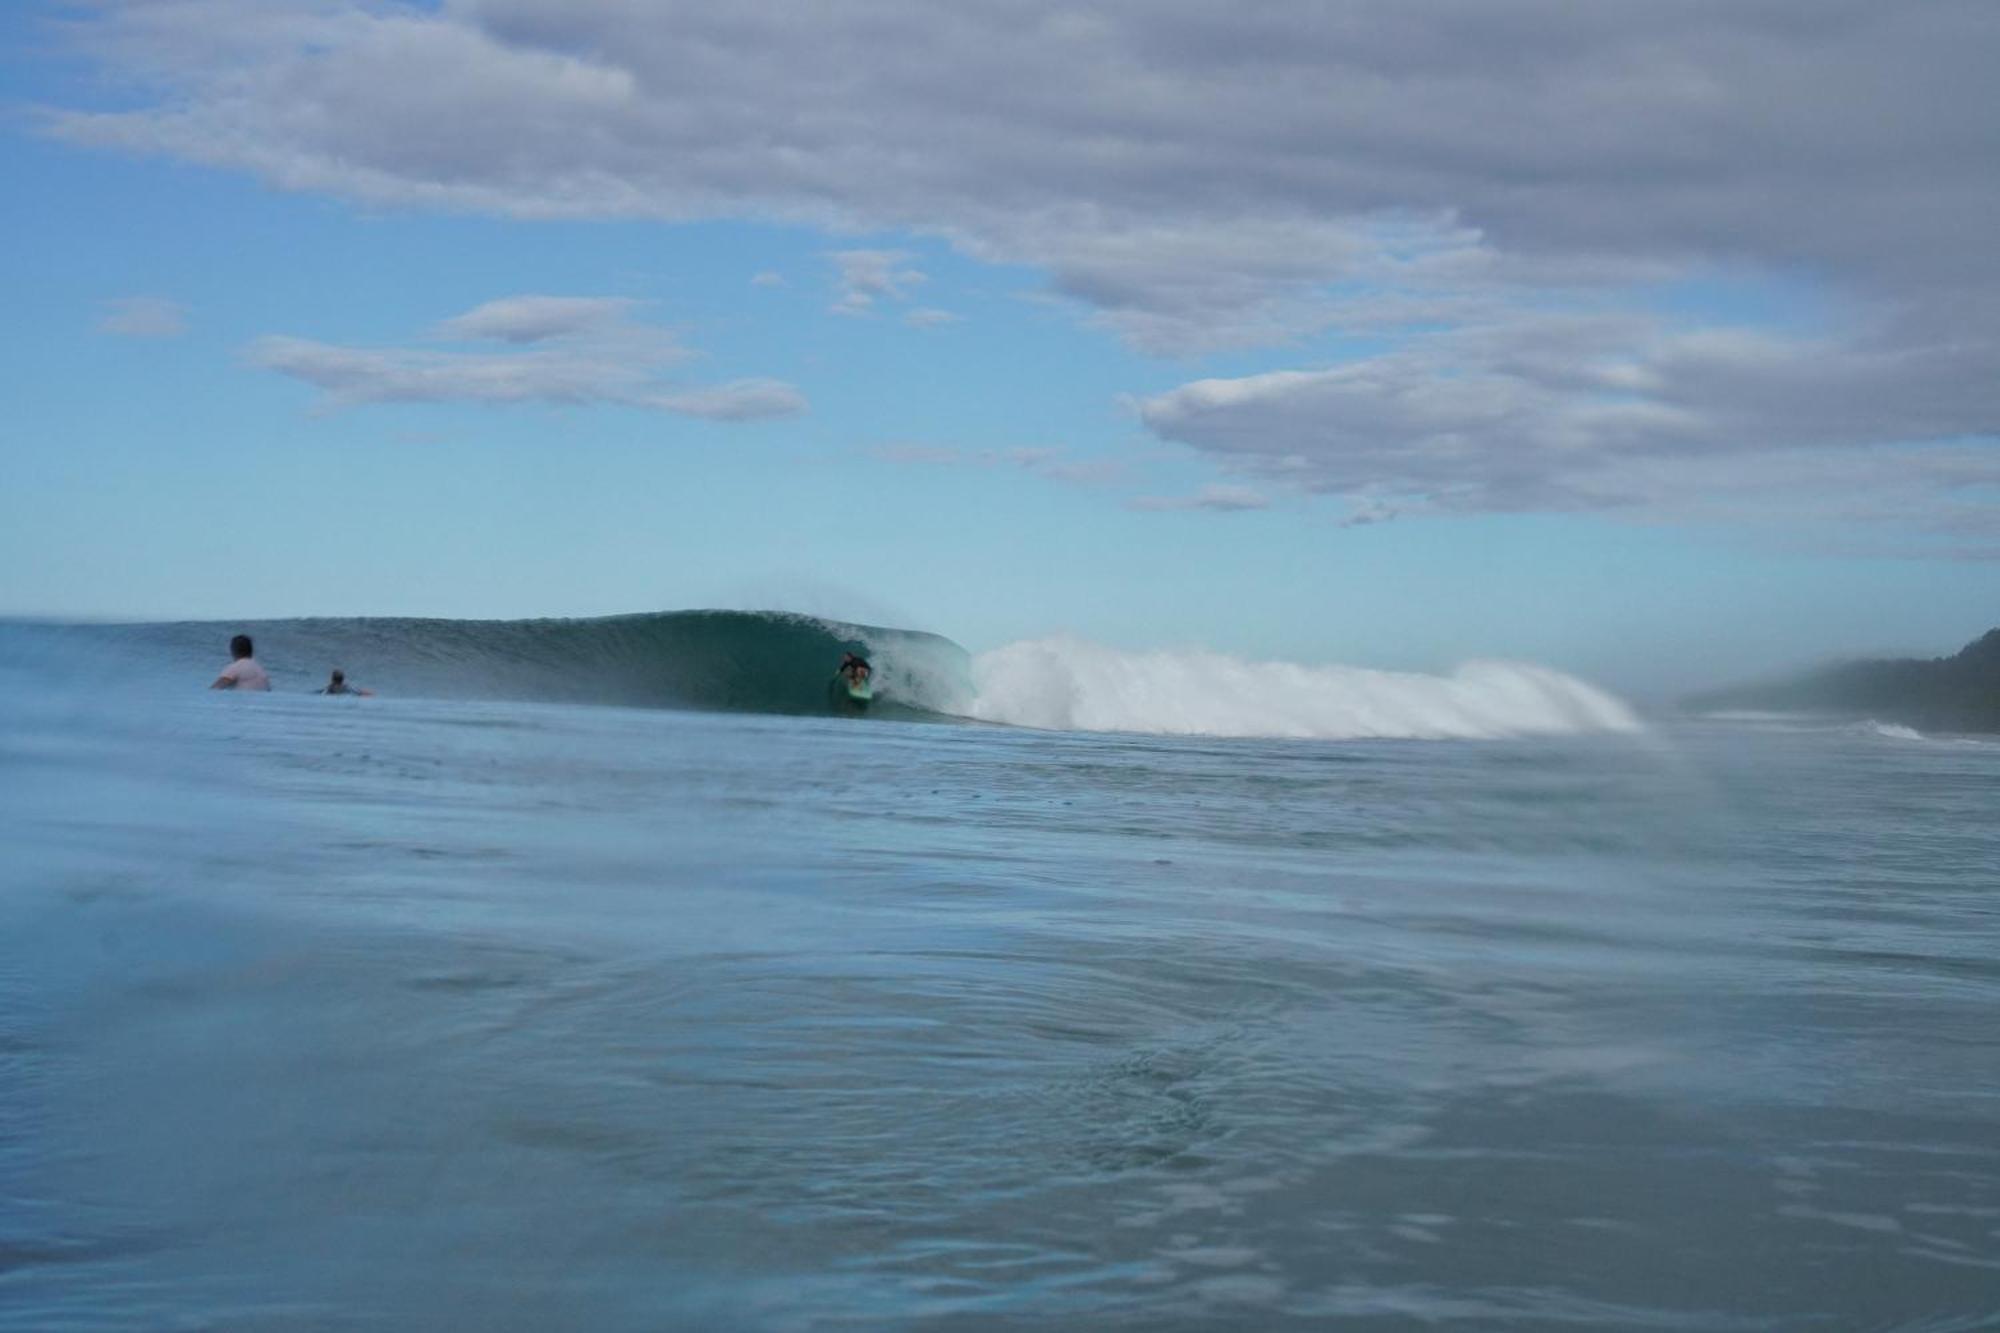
<point>339,685</point>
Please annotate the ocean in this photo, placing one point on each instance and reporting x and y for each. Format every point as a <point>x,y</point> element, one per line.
<point>597,975</point>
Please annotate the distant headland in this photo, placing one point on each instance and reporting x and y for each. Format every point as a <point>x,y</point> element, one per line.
<point>1956,693</point>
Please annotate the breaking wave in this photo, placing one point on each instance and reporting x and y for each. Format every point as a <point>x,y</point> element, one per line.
<point>778,662</point>
<point>1069,684</point>
<point>734,661</point>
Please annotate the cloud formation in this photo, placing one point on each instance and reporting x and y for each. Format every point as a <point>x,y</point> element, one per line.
<point>1219,498</point>
<point>1500,199</point>
<point>1832,132</point>
<point>738,400</point>
<point>868,276</point>
<point>1554,412</point>
<point>143,317</point>
<point>530,319</point>
<point>569,351</point>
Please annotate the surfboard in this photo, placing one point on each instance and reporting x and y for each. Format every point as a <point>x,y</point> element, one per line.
<point>846,692</point>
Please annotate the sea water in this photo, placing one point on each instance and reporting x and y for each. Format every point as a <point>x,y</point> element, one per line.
<point>324,1013</point>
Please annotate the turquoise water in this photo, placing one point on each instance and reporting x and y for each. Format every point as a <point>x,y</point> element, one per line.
<point>469,1013</point>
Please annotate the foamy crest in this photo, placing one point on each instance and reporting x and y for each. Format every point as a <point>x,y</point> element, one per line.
<point>1068,684</point>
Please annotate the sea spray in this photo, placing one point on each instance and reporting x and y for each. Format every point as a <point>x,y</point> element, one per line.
<point>1064,683</point>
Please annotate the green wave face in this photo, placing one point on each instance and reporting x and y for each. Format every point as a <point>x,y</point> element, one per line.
<point>741,661</point>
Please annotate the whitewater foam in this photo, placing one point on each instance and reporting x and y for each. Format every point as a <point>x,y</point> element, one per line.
<point>1069,684</point>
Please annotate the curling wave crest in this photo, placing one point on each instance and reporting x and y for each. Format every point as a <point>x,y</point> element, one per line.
<point>1069,684</point>
<point>779,662</point>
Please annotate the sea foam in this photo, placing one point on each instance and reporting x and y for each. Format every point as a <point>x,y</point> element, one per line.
<point>1064,683</point>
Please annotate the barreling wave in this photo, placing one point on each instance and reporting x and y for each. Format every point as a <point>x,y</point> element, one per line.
<point>1072,685</point>
<point>779,662</point>
<point>737,661</point>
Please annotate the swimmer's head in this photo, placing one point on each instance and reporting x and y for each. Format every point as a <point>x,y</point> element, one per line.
<point>240,646</point>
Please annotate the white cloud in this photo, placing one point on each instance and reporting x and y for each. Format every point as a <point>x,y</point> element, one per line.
<point>1470,188</point>
<point>354,375</point>
<point>527,319</point>
<point>1220,498</point>
<point>1178,286</point>
<point>1604,413</point>
<point>1364,513</point>
<point>927,318</point>
<point>571,351</point>
<point>768,278</point>
<point>868,276</point>
<point>143,317</point>
<point>1102,147</point>
<point>738,400</point>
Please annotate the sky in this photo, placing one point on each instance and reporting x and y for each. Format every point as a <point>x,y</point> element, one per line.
<point>1659,342</point>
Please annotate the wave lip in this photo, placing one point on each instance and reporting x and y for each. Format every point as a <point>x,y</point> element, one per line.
<point>1068,684</point>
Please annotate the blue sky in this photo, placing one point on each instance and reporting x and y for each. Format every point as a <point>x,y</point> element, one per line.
<point>508,309</point>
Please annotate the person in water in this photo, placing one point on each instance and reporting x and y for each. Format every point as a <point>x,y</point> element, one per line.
<point>854,670</point>
<point>244,672</point>
<point>339,685</point>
